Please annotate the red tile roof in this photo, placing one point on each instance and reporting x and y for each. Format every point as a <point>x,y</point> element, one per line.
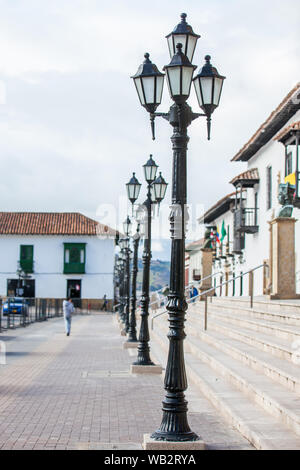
<point>51,223</point>
<point>195,245</point>
<point>217,205</point>
<point>284,111</point>
<point>248,175</point>
<point>295,126</point>
<point>222,206</point>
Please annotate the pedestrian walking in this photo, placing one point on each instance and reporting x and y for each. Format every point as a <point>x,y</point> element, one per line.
<point>68,309</point>
<point>105,303</point>
<point>193,293</point>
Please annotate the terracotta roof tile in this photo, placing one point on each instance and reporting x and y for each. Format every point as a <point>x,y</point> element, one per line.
<point>295,126</point>
<point>218,208</point>
<point>287,107</point>
<point>51,223</point>
<point>194,245</point>
<point>251,174</point>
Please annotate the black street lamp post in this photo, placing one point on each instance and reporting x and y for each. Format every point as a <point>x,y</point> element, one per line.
<point>156,189</point>
<point>132,338</point>
<point>124,243</point>
<point>208,86</point>
<point>121,285</point>
<point>143,357</point>
<point>127,285</point>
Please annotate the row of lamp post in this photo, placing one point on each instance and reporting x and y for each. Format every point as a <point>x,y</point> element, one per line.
<point>149,83</point>
<point>156,189</point>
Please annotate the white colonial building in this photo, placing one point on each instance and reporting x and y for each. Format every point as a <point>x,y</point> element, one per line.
<point>271,157</point>
<point>55,255</point>
<point>193,261</point>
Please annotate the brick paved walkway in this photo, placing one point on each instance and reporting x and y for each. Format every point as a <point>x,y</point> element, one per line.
<point>59,392</point>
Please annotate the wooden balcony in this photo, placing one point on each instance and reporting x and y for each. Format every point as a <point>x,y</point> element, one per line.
<point>245,220</point>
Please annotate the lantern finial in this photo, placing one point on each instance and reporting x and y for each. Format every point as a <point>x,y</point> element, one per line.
<point>183,32</point>
<point>179,48</point>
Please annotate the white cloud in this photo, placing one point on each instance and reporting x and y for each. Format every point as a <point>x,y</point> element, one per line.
<point>71,127</point>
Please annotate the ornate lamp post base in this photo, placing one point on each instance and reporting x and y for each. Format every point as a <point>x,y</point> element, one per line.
<point>174,436</point>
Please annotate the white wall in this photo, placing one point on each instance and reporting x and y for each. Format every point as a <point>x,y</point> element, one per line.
<point>219,267</point>
<point>257,245</point>
<point>49,263</point>
<point>194,263</point>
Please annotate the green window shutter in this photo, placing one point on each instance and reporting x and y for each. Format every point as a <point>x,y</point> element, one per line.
<point>26,258</point>
<point>74,258</point>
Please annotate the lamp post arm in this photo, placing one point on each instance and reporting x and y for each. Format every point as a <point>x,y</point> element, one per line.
<point>196,115</point>
<point>166,116</point>
<point>152,119</point>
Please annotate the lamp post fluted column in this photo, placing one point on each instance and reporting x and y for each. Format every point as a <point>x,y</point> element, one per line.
<point>174,425</point>
<point>132,337</point>
<point>127,287</point>
<point>122,290</point>
<point>125,249</point>
<point>143,357</point>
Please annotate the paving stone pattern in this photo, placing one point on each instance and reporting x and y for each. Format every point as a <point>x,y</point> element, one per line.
<point>76,392</point>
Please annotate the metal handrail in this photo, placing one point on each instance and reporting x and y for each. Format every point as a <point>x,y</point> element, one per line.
<point>189,284</point>
<point>193,283</point>
<point>204,279</point>
<point>192,299</point>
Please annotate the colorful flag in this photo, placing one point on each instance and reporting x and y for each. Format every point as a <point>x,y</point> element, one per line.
<point>223,231</point>
<point>291,178</point>
<point>218,235</point>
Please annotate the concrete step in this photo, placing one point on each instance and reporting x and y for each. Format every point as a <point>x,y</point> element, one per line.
<point>277,347</point>
<point>280,317</point>
<point>278,369</point>
<point>272,328</point>
<point>263,430</point>
<point>214,430</point>
<point>262,304</point>
<point>273,397</point>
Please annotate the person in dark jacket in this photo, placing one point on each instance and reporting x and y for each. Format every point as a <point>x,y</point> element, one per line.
<point>105,303</point>
<point>193,293</point>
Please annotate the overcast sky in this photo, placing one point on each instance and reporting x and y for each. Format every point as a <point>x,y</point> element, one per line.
<point>71,128</point>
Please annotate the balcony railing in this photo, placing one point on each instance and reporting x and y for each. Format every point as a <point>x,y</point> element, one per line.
<point>26,265</point>
<point>74,268</point>
<point>245,220</point>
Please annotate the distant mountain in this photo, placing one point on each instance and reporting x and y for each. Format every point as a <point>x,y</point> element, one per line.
<point>159,274</point>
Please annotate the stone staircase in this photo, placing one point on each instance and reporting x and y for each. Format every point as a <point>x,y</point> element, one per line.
<point>247,363</point>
